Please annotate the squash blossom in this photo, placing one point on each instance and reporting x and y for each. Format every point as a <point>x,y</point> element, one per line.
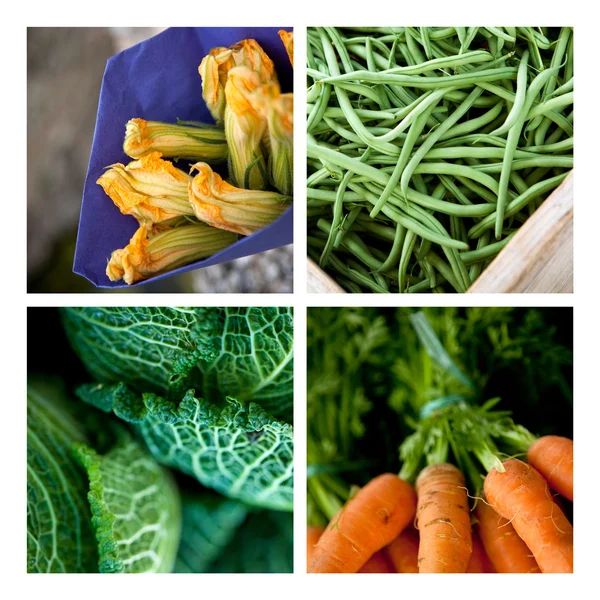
<point>199,142</point>
<point>278,109</point>
<point>287,37</point>
<point>151,189</point>
<point>245,126</point>
<point>222,205</point>
<point>148,254</point>
<point>215,67</point>
<point>213,70</point>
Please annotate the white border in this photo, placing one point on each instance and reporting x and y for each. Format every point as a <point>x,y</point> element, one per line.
<point>299,14</point>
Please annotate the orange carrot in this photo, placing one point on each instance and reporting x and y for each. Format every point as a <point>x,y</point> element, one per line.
<point>552,456</point>
<point>521,495</point>
<point>403,552</point>
<point>368,522</point>
<point>313,533</point>
<point>479,561</point>
<point>378,563</point>
<point>443,520</point>
<point>507,551</point>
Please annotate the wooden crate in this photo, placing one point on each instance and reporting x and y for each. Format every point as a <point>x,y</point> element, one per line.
<point>539,259</point>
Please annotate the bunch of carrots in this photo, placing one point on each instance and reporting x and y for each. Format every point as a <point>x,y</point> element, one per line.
<point>516,526</point>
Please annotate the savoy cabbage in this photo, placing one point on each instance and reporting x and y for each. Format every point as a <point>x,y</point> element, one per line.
<point>123,517</point>
<point>181,400</point>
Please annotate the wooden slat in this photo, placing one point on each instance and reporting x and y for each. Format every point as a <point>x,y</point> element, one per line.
<point>540,256</point>
<point>319,282</point>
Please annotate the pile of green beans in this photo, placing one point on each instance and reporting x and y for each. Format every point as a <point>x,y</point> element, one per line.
<point>429,147</point>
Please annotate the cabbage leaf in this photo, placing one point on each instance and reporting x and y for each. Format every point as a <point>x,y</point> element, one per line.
<point>149,348</point>
<point>96,499</point>
<point>60,538</point>
<point>238,450</point>
<point>210,523</point>
<point>246,353</point>
<point>135,507</point>
<point>224,536</point>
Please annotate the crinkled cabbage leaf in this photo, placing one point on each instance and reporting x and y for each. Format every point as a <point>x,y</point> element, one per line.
<point>151,349</point>
<point>114,510</point>
<point>238,450</point>
<point>246,353</point>
<point>135,507</point>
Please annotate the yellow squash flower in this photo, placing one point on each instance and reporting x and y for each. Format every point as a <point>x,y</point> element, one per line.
<point>222,205</point>
<point>245,126</point>
<point>213,70</point>
<point>151,189</point>
<point>278,110</point>
<point>148,255</point>
<point>287,37</point>
<point>215,67</point>
<point>197,142</point>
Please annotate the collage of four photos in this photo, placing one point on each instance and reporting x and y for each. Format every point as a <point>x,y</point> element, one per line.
<point>438,437</point>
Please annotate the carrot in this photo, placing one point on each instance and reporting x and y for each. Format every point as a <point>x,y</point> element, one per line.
<point>552,456</point>
<point>479,561</point>
<point>378,563</point>
<point>443,520</point>
<point>368,522</point>
<point>506,550</point>
<point>521,495</point>
<point>313,533</point>
<point>403,552</point>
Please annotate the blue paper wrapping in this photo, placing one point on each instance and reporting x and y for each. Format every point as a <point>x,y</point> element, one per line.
<point>158,80</point>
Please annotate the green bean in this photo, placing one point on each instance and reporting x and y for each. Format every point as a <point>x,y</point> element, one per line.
<point>478,190</point>
<point>473,124</point>
<point>477,267</point>
<point>433,137</point>
<point>329,196</point>
<point>488,251</point>
<point>448,62</point>
<point>497,31</point>
<point>527,163</point>
<point>498,90</point>
<point>445,270</point>
<point>425,146</point>
<point>366,115</point>
<point>337,215</point>
<point>407,248</point>
<point>519,100</point>
<point>414,132</point>
<point>379,176</point>
<point>347,222</point>
<point>354,244</point>
<point>511,144</point>
<point>514,206</point>
<point>394,255</point>
<point>314,118</point>
<point>410,223</point>
<point>566,144</point>
<point>459,171</point>
<point>552,104</point>
<point>561,121</point>
<point>426,83</point>
<point>431,222</point>
<point>454,152</point>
